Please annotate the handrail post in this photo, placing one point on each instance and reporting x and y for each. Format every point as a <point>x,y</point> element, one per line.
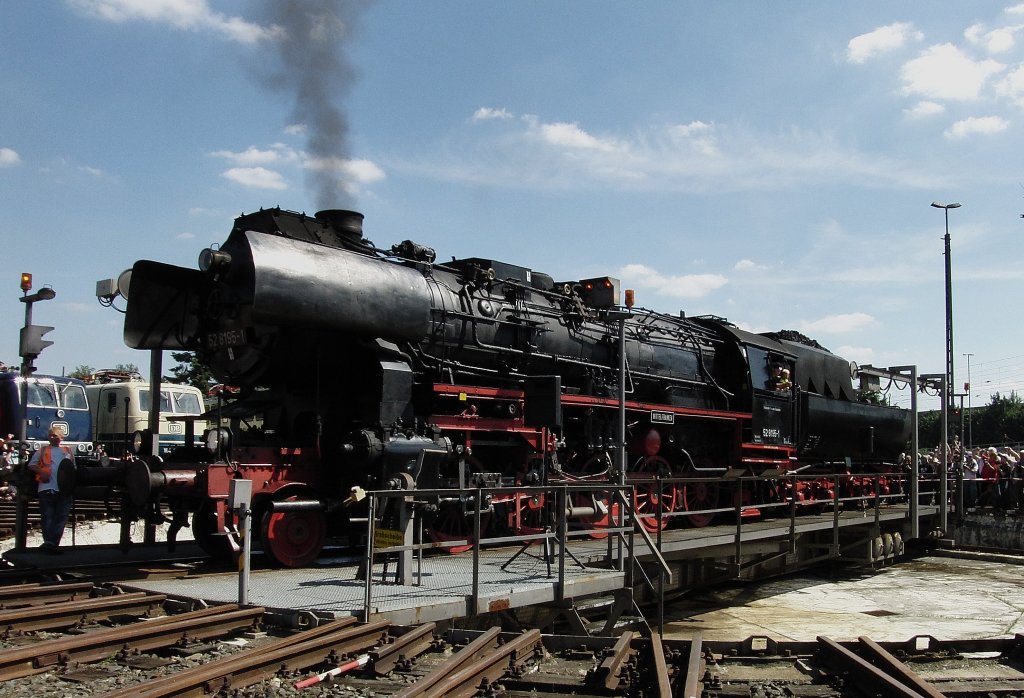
<point>835,519</point>
<point>878,502</point>
<point>478,500</point>
<point>368,577</point>
<point>792,517</point>
<point>561,526</point>
<point>661,572</point>
<point>738,544</point>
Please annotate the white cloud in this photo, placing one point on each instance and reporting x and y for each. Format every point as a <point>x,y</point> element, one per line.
<point>364,171</point>
<point>1012,86</point>
<point>924,109</point>
<point>180,14</point>
<point>687,286</point>
<point>945,72</point>
<point>256,178</point>
<point>252,156</point>
<point>296,129</point>
<point>9,158</point>
<point>572,136</point>
<point>488,114</point>
<point>862,355</point>
<point>691,157</point>
<point>976,125</point>
<point>881,40</point>
<point>697,136</point>
<point>185,236</point>
<point>837,324</point>
<point>251,167</point>
<point>998,40</point>
<point>749,265</point>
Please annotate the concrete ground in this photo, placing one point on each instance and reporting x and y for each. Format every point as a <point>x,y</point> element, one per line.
<point>945,597</point>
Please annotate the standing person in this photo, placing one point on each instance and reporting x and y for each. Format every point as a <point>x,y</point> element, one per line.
<point>990,474</point>
<point>970,466</point>
<point>54,505</point>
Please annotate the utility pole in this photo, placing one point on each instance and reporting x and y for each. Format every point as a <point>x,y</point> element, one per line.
<point>967,389</point>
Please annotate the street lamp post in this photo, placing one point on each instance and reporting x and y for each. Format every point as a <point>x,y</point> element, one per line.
<point>949,306</point>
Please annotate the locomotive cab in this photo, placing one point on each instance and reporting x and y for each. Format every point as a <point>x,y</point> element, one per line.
<point>759,372</point>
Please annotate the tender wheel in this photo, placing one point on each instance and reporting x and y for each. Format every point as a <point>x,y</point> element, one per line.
<point>294,538</point>
<point>700,496</point>
<point>647,501</point>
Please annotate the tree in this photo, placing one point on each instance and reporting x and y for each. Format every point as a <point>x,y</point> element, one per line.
<point>189,371</point>
<point>86,373</point>
<point>1000,421</point>
<point>82,372</point>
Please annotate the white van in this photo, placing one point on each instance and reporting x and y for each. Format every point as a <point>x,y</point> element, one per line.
<point>119,410</point>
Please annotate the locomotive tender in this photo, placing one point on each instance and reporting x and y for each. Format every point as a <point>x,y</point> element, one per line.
<point>357,365</point>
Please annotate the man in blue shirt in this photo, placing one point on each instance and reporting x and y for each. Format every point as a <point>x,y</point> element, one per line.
<point>54,505</point>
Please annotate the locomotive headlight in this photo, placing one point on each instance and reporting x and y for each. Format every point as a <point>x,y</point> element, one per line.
<point>218,441</point>
<point>213,260</point>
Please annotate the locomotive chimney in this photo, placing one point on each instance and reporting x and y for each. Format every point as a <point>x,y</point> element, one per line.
<point>348,224</point>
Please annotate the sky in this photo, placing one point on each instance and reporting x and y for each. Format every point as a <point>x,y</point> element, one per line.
<point>773,164</point>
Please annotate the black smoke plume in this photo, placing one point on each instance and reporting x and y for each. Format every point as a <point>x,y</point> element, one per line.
<point>311,65</point>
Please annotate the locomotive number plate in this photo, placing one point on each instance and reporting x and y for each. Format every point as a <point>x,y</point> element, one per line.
<point>222,339</point>
<point>663,417</point>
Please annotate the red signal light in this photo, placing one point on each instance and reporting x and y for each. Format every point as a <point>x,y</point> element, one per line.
<point>26,281</point>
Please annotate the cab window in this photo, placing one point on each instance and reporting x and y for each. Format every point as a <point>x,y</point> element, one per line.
<point>42,394</point>
<point>72,397</point>
<point>187,403</point>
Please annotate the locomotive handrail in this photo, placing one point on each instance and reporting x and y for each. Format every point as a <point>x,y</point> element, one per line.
<point>555,535</point>
<point>558,534</point>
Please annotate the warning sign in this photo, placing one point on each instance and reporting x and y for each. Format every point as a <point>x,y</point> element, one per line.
<point>386,538</point>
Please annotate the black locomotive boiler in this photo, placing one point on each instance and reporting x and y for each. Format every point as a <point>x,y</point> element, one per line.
<point>351,362</point>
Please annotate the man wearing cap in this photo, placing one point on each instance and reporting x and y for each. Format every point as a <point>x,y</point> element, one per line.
<point>54,505</point>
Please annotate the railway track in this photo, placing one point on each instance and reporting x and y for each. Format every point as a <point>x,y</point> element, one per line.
<point>95,640</point>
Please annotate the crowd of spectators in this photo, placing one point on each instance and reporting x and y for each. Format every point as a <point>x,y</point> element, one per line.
<point>992,476</point>
<point>6,467</point>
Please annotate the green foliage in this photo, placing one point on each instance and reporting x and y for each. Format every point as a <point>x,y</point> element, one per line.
<point>1001,421</point>
<point>872,397</point>
<point>82,372</point>
<point>189,371</point>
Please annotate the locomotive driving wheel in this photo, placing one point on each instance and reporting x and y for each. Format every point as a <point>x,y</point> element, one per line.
<point>526,517</point>
<point>699,497</point>
<point>606,514</point>
<point>593,470</point>
<point>293,538</point>
<point>649,499</point>
<point>451,524</point>
<point>204,530</point>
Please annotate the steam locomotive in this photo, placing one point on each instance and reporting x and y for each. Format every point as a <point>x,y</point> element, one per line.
<point>361,366</point>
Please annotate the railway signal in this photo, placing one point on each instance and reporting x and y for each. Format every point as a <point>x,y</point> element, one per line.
<point>30,343</point>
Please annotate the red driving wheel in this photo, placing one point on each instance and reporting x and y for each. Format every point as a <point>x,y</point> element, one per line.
<point>648,501</point>
<point>294,538</point>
